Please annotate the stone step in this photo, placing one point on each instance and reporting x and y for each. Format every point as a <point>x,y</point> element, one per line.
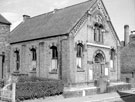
<point>94,90</point>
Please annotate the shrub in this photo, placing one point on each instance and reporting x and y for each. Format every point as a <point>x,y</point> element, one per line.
<point>1,83</point>
<point>34,87</point>
<point>33,79</point>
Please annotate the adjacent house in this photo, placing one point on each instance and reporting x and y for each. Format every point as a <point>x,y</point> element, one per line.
<point>77,44</point>
<point>4,32</point>
<point>127,57</point>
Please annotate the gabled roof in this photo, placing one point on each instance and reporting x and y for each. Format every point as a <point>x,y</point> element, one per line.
<point>50,24</point>
<point>109,22</point>
<point>3,20</point>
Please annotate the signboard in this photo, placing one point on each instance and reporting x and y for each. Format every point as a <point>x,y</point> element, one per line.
<point>106,71</point>
<point>111,63</point>
<point>90,74</point>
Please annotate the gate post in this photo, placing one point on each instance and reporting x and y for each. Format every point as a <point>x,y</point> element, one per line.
<point>13,91</point>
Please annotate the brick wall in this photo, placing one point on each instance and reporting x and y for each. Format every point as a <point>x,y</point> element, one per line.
<point>67,69</point>
<point>44,57</point>
<point>4,32</point>
<point>86,35</point>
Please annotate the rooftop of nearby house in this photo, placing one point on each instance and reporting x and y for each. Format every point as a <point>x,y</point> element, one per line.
<point>128,57</point>
<point>57,22</point>
<point>3,20</point>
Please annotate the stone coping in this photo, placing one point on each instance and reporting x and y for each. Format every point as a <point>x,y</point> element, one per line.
<point>79,88</point>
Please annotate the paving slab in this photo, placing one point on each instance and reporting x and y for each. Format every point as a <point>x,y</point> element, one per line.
<point>106,97</point>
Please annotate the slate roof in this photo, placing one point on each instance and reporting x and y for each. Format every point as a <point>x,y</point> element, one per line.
<point>3,20</point>
<point>50,24</point>
<point>128,58</point>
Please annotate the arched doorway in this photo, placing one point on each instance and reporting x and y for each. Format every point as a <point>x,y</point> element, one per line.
<point>99,58</point>
<point>99,65</point>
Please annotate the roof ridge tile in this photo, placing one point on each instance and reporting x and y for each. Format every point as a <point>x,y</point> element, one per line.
<point>51,12</point>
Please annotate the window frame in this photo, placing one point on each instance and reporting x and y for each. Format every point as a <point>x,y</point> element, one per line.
<point>98,35</point>
<point>98,27</point>
<point>54,52</point>
<point>34,54</point>
<point>112,58</point>
<point>17,54</point>
<point>79,57</point>
<point>79,50</point>
<point>54,59</point>
<point>112,54</point>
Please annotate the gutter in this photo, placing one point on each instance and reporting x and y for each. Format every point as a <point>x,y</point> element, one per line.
<point>38,38</point>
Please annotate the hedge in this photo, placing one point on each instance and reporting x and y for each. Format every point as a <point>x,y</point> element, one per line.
<point>37,88</point>
<point>33,79</point>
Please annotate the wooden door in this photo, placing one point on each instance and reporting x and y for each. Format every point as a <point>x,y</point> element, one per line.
<point>98,70</point>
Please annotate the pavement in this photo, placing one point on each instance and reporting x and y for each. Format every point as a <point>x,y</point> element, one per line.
<point>106,97</point>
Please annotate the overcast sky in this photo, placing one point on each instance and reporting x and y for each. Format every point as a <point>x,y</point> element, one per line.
<point>121,12</point>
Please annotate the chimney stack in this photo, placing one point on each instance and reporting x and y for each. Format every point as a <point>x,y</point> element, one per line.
<point>126,34</point>
<point>26,17</point>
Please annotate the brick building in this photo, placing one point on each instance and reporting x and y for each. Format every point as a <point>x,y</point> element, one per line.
<point>77,44</point>
<point>4,32</point>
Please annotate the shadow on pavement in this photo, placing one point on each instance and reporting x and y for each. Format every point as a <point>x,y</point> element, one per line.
<point>127,97</point>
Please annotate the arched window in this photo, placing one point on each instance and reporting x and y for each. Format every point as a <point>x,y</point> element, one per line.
<point>34,59</point>
<point>17,60</point>
<point>54,59</point>
<point>112,54</point>
<point>79,50</point>
<point>34,54</point>
<point>98,27</point>
<point>79,55</point>
<point>54,52</point>
<point>99,56</point>
<point>112,58</point>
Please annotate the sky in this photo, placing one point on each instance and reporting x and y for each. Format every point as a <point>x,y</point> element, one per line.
<point>121,12</point>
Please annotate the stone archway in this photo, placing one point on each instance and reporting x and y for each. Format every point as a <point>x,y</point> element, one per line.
<point>98,58</point>
<point>99,64</point>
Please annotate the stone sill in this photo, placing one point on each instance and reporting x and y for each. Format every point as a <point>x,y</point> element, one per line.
<point>97,42</point>
<point>80,70</point>
<point>17,71</point>
<point>33,71</point>
<point>112,70</point>
<point>53,72</point>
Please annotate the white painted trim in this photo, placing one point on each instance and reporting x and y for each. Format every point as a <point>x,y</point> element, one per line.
<point>97,45</point>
